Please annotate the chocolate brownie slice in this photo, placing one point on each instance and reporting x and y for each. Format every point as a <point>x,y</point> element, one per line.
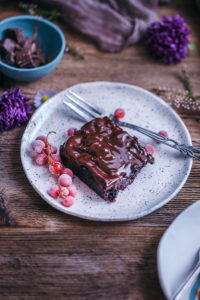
<point>104,156</point>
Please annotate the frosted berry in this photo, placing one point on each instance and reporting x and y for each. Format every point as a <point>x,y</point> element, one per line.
<point>68,172</point>
<point>41,159</point>
<point>52,170</point>
<point>32,153</point>
<point>55,158</point>
<point>65,180</point>
<point>68,201</point>
<point>164,133</point>
<point>54,191</point>
<point>149,149</point>
<point>38,146</point>
<point>64,192</point>
<point>41,138</point>
<point>72,190</point>
<point>51,149</point>
<point>71,131</point>
<point>55,168</point>
<point>119,113</point>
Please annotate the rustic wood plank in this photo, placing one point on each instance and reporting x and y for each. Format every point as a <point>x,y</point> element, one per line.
<point>102,265</point>
<point>45,254</point>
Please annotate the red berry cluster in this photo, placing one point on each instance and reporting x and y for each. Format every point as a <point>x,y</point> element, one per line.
<point>44,153</point>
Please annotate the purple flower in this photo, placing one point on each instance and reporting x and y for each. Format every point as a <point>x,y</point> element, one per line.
<point>167,41</point>
<point>14,109</point>
<point>42,96</point>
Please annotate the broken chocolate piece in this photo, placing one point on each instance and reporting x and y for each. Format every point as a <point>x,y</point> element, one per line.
<point>9,44</point>
<point>15,34</point>
<point>23,59</point>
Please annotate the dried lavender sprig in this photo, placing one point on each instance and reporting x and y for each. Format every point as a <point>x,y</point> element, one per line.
<point>71,49</point>
<point>188,84</point>
<point>33,9</point>
<point>170,91</point>
<point>179,99</point>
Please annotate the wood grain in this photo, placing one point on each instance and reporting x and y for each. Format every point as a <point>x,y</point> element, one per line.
<point>45,254</point>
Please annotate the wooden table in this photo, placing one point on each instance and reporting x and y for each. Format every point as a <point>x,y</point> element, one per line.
<point>45,254</point>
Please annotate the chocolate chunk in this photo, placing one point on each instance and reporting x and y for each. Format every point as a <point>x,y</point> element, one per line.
<point>23,59</point>
<point>9,44</point>
<point>36,62</point>
<point>6,56</point>
<point>27,44</point>
<point>33,47</point>
<point>9,59</point>
<point>38,51</point>
<point>15,34</point>
<point>3,51</point>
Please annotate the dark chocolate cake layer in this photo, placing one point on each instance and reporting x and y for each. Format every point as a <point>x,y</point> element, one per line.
<point>104,156</point>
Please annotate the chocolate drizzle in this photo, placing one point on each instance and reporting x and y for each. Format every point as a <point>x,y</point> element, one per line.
<point>109,152</point>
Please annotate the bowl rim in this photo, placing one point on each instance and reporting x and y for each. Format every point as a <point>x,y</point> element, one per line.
<point>40,19</point>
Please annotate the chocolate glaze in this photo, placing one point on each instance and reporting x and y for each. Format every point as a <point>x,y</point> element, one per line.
<point>104,156</point>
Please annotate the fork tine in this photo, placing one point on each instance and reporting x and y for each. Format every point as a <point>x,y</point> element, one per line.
<point>78,104</point>
<point>78,111</point>
<point>94,107</point>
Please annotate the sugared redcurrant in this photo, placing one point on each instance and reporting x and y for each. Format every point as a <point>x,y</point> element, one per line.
<point>38,146</point>
<point>54,191</point>
<point>119,113</point>
<point>55,158</point>
<point>164,133</point>
<point>68,201</point>
<point>51,149</point>
<point>68,172</point>
<point>71,131</point>
<point>41,159</point>
<point>149,149</point>
<point>65,180</point>
<point>72,190</point>
<point>42,138</point>
<point>55,168</point>
<point>64,192</point>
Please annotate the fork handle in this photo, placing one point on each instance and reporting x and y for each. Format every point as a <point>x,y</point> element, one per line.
<point>187,283</point>
<point>184,149</point>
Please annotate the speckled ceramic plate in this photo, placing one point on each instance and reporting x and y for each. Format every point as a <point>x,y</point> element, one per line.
<point>153,187</point>
<point>178,253</point>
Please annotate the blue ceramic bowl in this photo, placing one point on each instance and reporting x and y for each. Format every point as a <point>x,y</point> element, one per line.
<point>50,37</point>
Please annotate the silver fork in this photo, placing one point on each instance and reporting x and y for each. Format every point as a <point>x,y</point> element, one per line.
<point>88,111</point>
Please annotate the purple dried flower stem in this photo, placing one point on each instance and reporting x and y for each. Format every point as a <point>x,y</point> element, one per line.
<point>188,84</point>
<point>181,99</point>
<point>165,91</point>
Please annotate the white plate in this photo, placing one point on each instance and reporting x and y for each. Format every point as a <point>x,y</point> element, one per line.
<point>177,252</point>
<point>153,187</point>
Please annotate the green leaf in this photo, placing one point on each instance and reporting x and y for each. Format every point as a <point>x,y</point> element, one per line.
<point>192,47</point>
